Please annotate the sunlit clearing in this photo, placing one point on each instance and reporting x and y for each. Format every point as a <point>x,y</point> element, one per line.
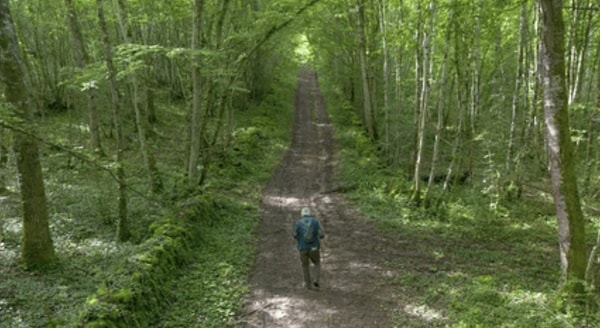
<point>423,312</point>
<point>7,254</point>
<point>307,161</point>
<point>12,225</point>
<point>83,128</point>
<point>326,199</point>
<point>457,210</point>
<point>358,266</point>
<point>438,255</point>
<point>303,50</point>
<point>521,226</point>
<point>282,201</point>
<point>457,274</point>
<point>281,308</point>
<point>519,297</point>
<point>92,246</point>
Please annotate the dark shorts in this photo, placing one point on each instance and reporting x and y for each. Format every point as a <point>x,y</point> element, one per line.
<point>313,254</point>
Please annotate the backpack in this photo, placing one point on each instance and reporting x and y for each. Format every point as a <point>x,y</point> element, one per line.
<point>309,231</point>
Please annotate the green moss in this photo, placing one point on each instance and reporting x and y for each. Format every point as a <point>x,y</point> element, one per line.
<point>147,274</point>
<point>99,324</point>
<point>213,229</point>
<point>123,296</point>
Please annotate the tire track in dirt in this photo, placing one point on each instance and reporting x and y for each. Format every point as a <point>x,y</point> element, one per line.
<point>355,288</point>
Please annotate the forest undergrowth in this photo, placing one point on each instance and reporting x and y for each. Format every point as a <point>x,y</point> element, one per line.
<point>477,259</point>
<point>93,266</point>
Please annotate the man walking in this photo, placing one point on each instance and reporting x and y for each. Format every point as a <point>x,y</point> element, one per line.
<point>308,234</point>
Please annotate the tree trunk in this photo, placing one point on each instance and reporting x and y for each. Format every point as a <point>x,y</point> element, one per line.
<point>510,156</point>
<point>423,107</point>
<point>577,44</point>
<point>571,227</point>
<point>141,122</point>
<point>3,160</point>
<point>196,124</point>
<point>364,72</point>
<point>461,98</point>
<point>37,248</point>
<point>591,128</point>
<point>440,111</point>
<point>475,89</point>
<point>218,95</point>
<point>418,70</point>
<point>123,15</point>
<point>386,76</point>
<point>123,233</point>
<point>139,100</point>
<point>82,59</point>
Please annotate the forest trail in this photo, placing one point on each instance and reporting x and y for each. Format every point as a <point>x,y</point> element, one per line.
<point>355,288</point>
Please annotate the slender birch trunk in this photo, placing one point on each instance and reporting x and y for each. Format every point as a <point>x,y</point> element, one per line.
<point>139,101</point>
<point>475,87</point>
<point>440,110</point>
<point>217,92</point>
<point>591,128</point>
<point>462,104</point>
<point>83,60</point>
<point>418,71</point>
<point>123,233</point>
<point>196,123</point>
<point>364,72</point>
<point>423,108</point>
<point>516,98</point>
<point>4,151</point>
<point>577,44</point>
<point>529,88</point>
<point>386,75</point>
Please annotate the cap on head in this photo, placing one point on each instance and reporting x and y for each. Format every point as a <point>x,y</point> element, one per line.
<point>305,211</point>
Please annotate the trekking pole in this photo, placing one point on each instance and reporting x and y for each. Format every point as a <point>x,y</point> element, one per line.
<point>323,272</point>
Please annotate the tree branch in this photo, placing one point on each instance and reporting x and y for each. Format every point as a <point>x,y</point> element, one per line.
<point>80,157</point>
<point>278,28</point>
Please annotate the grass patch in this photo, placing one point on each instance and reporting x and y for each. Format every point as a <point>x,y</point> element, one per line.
<point>210,289</point>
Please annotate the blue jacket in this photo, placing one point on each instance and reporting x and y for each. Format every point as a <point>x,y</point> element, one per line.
<point>300,228</point>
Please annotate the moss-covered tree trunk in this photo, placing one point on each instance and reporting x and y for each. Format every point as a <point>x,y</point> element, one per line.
<point>37,248</point>
<point>571,228</point>
<point>3,160</point>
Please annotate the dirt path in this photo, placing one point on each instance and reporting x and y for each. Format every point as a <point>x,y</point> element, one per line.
<point>355,288</point>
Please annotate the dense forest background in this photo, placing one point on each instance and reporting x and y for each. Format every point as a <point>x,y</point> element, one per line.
<point>136,137</point>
